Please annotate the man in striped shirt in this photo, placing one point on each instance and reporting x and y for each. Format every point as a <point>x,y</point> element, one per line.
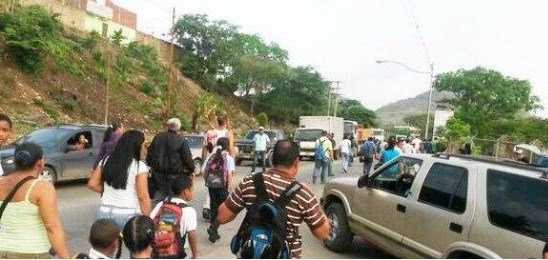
<point>302,207</point>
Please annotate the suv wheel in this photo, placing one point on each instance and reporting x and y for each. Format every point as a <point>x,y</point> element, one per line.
<point>49,175</point>
<point>197,167</point>
<point>340,237</point>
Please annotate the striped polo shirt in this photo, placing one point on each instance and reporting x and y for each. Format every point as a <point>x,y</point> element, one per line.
<point>303,206</point>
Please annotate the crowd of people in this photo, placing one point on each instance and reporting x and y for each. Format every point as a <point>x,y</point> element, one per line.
<point>144,206</point>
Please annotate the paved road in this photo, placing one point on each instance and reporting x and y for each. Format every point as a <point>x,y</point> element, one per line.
<point>77,206</point>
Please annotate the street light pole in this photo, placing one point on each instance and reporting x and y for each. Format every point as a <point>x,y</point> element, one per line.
<point>431,73</point>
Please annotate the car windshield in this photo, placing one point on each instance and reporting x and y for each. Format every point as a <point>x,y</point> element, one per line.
<point>308,134</point>
<point>251,134</point>
<point>46,138</point>
<point>195,141</point>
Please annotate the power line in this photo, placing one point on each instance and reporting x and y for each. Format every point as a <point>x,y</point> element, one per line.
<point>416,30</point>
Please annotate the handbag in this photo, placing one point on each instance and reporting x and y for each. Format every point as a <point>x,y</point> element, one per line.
<point>12,193</point>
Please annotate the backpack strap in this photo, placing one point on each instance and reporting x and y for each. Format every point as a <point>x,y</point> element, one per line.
<point>288,194</point>
<point>12,193</point>
<point>260,188</point>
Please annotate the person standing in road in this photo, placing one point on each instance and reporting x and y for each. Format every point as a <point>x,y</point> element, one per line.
<point>30,223</point>
<point>322,160</point>
<point>302,207</point>
<point>169,157</point>
<point>122,179</point>
<point>6,126</point>
<point>334,155</point>
<point>112,135</point>
<point>391,151</point>
<point>261,141</point>
<point>368,151</point>
<point>218,170</point>
<point>346,146</point>
<point>210,141</point>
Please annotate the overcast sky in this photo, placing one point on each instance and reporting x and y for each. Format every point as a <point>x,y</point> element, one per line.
<point>342,39</point>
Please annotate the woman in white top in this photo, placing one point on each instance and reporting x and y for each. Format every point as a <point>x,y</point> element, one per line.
<point>346,144</point>
<point>123,181</point>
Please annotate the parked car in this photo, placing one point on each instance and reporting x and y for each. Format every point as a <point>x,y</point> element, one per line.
<point>63,160</point>
<point>246,147</point>
<point>443,206</point>
<point>196,143</point>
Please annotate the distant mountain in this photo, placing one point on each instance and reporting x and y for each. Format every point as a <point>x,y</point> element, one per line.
<point>393,113</point>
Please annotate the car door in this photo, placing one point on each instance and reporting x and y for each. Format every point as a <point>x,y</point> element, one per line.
<point>441,212</point>
<point>379,207</point>
<point>77,163</point>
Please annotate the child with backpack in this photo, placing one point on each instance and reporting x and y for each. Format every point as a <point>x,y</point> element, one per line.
<point>218,171</point>
<point>175,223</point>
<point>105,239</point>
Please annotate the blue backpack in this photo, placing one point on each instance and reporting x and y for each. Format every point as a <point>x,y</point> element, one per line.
<point>319,154</point>
<point>369,150</point>
<point>263,233</point>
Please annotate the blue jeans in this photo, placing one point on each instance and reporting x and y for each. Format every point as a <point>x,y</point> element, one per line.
<point>118,215</point>
<point>323,168</point>
<point>259,155</point>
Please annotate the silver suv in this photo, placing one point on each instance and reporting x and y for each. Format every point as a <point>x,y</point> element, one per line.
<point>443,206</point>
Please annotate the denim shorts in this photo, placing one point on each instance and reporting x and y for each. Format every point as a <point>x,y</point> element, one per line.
<point>118,215</point>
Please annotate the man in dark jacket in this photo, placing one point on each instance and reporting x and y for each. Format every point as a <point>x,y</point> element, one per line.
<point>169,157</point>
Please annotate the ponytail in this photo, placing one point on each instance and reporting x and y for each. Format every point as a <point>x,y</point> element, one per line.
<point>119,250</point>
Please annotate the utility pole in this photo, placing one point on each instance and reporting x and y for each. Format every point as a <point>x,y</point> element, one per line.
<point>336,97</point>
<point>170,71</point>
<point>329,101</point>
<point>107,87</point>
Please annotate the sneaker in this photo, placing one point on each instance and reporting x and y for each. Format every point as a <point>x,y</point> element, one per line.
<point>206,214</point>
<point>213,235</point>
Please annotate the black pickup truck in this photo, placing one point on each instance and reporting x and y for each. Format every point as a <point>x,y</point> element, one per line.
<point>246,147</point>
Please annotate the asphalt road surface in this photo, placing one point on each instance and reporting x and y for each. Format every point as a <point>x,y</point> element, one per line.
<point>78,205</point>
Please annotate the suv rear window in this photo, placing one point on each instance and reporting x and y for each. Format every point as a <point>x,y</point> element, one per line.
<point>446,187</point>
<point>518,203</point>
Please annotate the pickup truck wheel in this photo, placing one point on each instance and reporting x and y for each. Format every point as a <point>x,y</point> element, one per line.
<point>340,238</point>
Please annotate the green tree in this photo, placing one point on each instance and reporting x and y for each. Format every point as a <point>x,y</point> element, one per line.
<point>419,121</point>
<point>117,37</point>
<point>262,119</point>
<point>351,109</point>
<point>456,129</point>
<point>483,97</point>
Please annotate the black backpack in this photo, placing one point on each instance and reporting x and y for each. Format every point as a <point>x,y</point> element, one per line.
<point>263,233</point>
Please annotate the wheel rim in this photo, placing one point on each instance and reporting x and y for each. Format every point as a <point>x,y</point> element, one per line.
<point>47,175</point>
<point>334,221</point>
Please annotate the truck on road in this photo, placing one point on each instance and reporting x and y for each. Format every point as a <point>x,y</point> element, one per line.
<point>311,128</point>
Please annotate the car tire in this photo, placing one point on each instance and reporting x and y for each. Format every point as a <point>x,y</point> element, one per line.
<point>49,174</point>
<point>340,238</point>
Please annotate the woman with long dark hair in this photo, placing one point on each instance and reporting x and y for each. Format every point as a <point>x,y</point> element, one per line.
<point>110,139</point>
<point>218,170</point>
<point>123,181</point>
<point>29,216</point>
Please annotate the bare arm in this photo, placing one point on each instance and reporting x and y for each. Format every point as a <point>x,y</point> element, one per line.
<point>47,206</point>
<point>322,232</point>
<point>229,180</point>
<point>95,183</point>
<point>193,242</point>
<point>224,214</point>
<point>232,149</point>
<point>141,182</point>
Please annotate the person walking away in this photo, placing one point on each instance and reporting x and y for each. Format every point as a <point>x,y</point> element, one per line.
<point>416,142</point>
<point>112,135</point>
<point>170,158</point>
<point>407,147</point>
<point>210,141</point>
<point>29,220</point>
<point>334,155</point>
<point>138,236</point>
<point>368,152</point>
<point>297,204</point>
<point>346,145</point>
<point>389,153</point>
<point>105,239</point>
<point>218,171</point>
<point>123,181</point>
<point>175,223</point>
<point>353,149</point>
<point>323,153</point>
<point>6,126</point>
<point>261,140</point>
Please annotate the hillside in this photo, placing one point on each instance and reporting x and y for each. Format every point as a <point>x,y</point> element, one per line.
<point>393,113</point>
<point>70,84</point>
